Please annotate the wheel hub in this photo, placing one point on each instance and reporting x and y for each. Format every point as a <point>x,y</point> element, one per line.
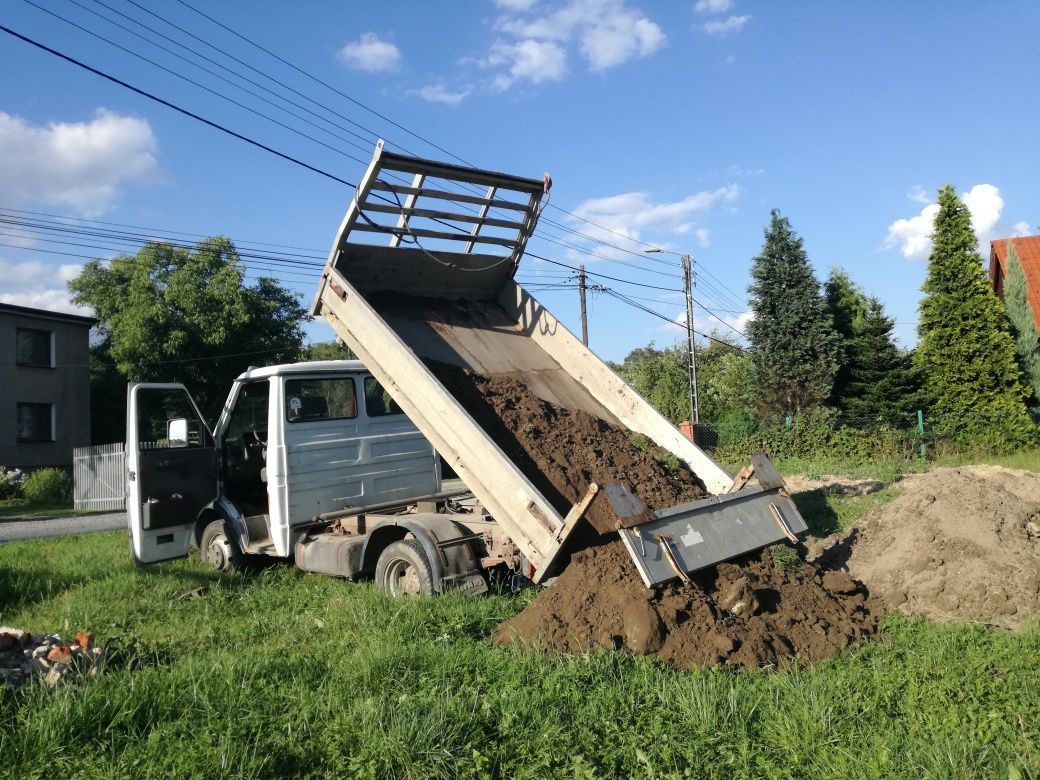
<point>404,579</point>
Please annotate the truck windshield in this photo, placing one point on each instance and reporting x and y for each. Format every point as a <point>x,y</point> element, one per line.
<point>378,402</point>
<point>320,399</point>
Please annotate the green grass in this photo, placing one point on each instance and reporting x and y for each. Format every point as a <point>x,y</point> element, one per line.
<point>1027,460</point>
<point>826,512</point>
<point>290,674</point>
<point>22,508</point>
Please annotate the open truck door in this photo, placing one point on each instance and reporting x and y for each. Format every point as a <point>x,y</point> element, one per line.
<point>171,470</point>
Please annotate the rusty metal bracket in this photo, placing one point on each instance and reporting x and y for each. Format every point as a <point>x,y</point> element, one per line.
<point>338,289</point>
<point>782,523</point>
<point>666,549</point>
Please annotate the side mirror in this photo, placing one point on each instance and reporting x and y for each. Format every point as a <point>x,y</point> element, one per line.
<point>177,432</point>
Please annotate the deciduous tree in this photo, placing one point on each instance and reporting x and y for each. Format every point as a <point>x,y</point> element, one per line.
<point>171,313</point>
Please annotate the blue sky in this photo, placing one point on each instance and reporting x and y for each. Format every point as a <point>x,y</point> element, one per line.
<point>672,124</point>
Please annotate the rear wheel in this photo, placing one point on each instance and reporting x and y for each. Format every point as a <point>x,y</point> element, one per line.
<point>217,550</point>
<point>403,570</point>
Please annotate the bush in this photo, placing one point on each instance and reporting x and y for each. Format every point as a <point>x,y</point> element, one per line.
<point>47,486</point>
<point>818,433</point>
<point>11,481</point>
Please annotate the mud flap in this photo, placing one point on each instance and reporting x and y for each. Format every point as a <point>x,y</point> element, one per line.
<point>672,543</point>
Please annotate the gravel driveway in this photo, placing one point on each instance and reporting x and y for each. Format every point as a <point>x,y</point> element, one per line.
<point>39,527</point>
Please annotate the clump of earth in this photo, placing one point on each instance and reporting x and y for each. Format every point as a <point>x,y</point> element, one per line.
<point>957,544</point>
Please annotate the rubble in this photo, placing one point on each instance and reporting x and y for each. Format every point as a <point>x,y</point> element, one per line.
<point>25,656</point>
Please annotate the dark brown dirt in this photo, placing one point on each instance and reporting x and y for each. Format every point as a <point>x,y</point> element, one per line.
<point>744,614</point>
<point>562,450</point>
<point>749,613</point>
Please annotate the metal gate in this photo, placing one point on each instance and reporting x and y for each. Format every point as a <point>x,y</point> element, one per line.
<point>99,477</point>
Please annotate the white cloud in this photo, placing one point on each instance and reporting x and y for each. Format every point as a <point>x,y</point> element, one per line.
<point>40,286</point>
<point>1020,229</point>
<point>606,33</point>
<point>438,93</point>
<point>729,26</point>
<point>913,235</point>
<point>919,194</point>
<point>535,61</point>
<point>82,165</point>
<point>516,5</point>
<point>713,6</point>
<point>619,219</point>
<point>370,53</point>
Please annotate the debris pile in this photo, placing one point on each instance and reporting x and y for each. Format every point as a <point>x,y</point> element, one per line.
<point>764,610</point>
<point>957,544</point>
<point>25,656</point>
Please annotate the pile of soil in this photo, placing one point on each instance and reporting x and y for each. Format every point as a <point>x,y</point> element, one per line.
<point>563,450</point>
<point>752,612</point>
<point>957,544</point>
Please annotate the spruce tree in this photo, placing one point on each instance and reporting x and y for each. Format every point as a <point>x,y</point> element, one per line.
<point>794,348</point>
<point>1023,325</point>
<point>846,304</point>
<point>965,352</point>
<point>880,385</point>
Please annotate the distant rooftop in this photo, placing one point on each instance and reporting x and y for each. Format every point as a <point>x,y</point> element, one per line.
<point>1028,250</point>
<point>46,314</point>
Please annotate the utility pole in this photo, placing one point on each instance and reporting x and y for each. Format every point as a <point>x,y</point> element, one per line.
<point>688,282</point>
<point>581,296</point>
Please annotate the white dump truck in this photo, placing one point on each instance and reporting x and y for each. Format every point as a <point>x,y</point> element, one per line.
<point>334,465</point>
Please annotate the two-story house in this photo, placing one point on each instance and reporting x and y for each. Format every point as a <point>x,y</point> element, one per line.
<point>44,386</point>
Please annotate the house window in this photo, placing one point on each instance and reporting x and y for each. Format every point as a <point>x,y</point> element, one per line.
<point>35,422</point>
<point>34,347</point>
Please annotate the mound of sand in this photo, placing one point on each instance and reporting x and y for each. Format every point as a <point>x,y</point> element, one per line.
<point>748,613</point>
<point>957,544</point>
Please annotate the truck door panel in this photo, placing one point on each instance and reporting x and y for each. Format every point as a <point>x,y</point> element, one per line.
<point>169,480</point>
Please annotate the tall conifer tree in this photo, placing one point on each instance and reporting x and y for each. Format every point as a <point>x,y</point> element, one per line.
<point>794,348</point>
<point>1023,325</point>
<point>965,352</point>
<point>880,385</point>
<point>846,305</point>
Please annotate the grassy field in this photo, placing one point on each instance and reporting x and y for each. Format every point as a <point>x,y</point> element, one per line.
<point>285,674</point>
<point>21,508</point>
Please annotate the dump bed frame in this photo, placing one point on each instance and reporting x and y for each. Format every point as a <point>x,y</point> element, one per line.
<point>427,294</point>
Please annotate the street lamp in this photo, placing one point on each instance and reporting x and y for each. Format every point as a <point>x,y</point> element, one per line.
<point>688,282</point>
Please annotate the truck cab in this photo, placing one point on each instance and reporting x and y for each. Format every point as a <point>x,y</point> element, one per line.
<point>297,450</point>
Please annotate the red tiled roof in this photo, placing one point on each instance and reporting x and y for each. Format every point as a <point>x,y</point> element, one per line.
<point>1028,250</point>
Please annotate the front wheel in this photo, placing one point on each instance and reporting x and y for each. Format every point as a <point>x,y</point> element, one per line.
<point>217,550</point>
<point>403,570</point>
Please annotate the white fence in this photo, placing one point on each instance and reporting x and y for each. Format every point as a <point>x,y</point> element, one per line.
<point>99,477</point>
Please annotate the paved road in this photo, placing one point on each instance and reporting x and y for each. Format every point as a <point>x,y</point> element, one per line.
<point>37,527</point>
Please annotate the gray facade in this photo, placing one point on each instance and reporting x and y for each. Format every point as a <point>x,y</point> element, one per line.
<point>44,386</point>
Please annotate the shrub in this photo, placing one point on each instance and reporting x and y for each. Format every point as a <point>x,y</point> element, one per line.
<point>47,485</point>
<point>11,481</point>
<point>817,433</point>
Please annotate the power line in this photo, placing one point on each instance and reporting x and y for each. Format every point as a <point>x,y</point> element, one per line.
<point>177,108</point>
<point>191,81</point>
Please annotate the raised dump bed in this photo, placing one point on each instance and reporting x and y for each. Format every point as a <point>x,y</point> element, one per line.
<point>421,273</point>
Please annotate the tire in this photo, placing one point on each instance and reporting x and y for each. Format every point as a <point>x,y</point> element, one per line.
<point>217,550</point>
<point>404,570</point>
